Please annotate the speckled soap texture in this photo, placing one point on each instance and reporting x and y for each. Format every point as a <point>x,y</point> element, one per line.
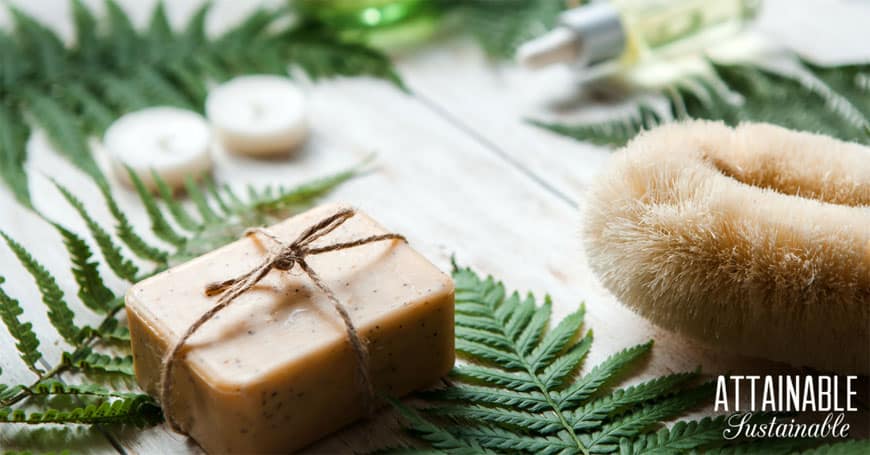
<point>274,371</point>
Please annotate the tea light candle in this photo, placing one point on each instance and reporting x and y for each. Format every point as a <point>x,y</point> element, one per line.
<point>172,142</point>
<point>258,115</point>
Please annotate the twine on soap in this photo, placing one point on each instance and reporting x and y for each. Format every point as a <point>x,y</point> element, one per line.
<point>283,258</point>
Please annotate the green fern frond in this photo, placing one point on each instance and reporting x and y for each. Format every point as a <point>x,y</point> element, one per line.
<point>7,392</point>
<point>159,225</point>
<point>593,414</point>
<point>54,387</point>
<point>40,42</point>
<point>438,437</point>
<point>116,261</point>
<point>828,100</point>
<point>128,235</point>
<point>521,393</point>
<point>59,313</point>
<point>199,201</point>
<point>119,68</point>
<point>96,115</point>
<point>26,341</point>
<point>88,360</point>
<point>607,439</point>
<point>179,214</point>
<point>92,290</point>
<point>113,330</point>
<point>63,129</point>
<point>853,447</point>
<point>682,436</point>
<point>87,42</point>
<point>13,138</point>
<point>138,410</point>
<point>600,374</point>
<point>123,39</point>
<point>297,197</point>
<point>610,132</point>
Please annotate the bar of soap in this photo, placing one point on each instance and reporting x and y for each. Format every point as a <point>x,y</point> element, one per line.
<point>275,371</point>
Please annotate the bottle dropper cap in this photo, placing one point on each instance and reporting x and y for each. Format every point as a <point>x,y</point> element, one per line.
<point>585,35</point>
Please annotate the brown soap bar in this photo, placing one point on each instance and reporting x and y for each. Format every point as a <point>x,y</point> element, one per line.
<point>275,371</point>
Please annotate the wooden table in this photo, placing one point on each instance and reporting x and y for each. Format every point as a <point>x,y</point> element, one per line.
<point>458,172</point>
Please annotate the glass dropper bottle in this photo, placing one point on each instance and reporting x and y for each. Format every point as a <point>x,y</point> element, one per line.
<point>614,34</point>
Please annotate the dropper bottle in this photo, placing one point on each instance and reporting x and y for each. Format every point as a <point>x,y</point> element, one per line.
<point>618,33</point>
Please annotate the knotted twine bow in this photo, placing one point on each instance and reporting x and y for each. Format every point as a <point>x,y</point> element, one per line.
<point>284,258</point>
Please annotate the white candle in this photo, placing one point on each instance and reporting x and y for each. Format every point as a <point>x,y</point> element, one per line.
<point>172,142</point>
<point>258,115</point>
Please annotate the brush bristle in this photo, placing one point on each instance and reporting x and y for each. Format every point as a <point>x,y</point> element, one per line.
<point>755,239</point>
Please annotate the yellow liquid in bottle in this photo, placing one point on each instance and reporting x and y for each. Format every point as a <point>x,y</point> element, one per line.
<point>670,27</point>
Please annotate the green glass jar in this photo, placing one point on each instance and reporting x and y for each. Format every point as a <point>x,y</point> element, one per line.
<point>388,24</point>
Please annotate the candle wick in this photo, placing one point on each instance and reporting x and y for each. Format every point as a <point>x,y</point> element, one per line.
<point>163,143</point>
<point>257,110</point>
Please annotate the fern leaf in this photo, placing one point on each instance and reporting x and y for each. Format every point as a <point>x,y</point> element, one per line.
<point>159,225</point>
<point>7,393</point>
<point>188,81</point>
<point>111,329</point>
<point>122,35</point>
<point>194,31</point>
<point>158,89</point>
<point>41,43</point>
<point>294,198</point>
<point>593,414</point>
<point>26,341</point>
<point>592,381</point>
<point>200,201</point>
<point>216,196</point>
<point>92,290</point>
<point>128,235</point>
<point>178,213</point>
<point>495,376</point>
<point>555,374</point>
<point>532,333</point>
<point>159,30</point>
<point>520,316</point>
<point>55,387</point>
<point>13,138</point>
<point>556,340</point>
<point>139,410</point>
<point>543,422</point>
<point>87,44</point>
<point>681,437</point>
<point>59,313</point>
<point>494,340</point>
<point>475,349</point>
<point>636,422</point>
<point>88,360</point>
<point>610,132</point>
<point>13,65</point>
<point>496,438</point>
<point>817,99</point>
<point>853,447</point>
<point>62,129</point>
<point>512,400</point>
<point>124,94</point>
<point>116,261</point>
<point>531,401</point>
<point>436,436</point>
<point>96,115</point>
